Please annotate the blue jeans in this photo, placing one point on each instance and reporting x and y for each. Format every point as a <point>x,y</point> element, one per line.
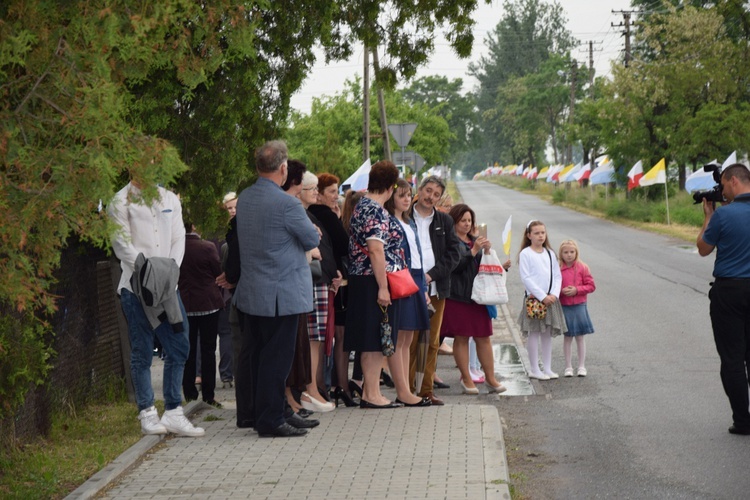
<point>176,348</point>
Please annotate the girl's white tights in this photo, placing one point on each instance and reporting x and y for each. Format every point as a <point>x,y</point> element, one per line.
<point>532,346</point>
<point>568,351</point>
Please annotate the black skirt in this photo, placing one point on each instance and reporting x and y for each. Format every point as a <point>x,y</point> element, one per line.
<point>363,316</point>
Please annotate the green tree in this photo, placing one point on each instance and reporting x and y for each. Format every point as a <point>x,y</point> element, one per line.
<point>92,88</point>
<point>656,107</point>
<point>444,97</point>
<point>329,138</point>
<point>529,33</point>
<point>406,29</point>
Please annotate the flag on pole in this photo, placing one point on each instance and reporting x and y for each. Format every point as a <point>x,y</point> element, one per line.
<point>584,173</point>
<point>634,176</point>
<point>506,236</point>
<point>657,174</point>
<point>560,176</point>
<point>569,175</point>
<point>552,175</point>
<point>543,173</point>
<point>603,174</point>
<point>700,179</point>
<point>731,160</point>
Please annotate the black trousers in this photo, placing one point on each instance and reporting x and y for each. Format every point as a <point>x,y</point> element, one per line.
<point>207,329</point>
<point>730,320</point>
<point>266,354</point>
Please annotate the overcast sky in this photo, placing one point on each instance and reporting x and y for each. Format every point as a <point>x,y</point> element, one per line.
<point>587,20</point>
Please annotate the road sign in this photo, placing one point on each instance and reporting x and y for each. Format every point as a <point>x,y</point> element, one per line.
<point>409,159</point>
<point>402,132</point>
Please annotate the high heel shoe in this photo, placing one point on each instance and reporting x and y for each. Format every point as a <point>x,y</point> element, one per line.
<point>495,388</point>
<point>315,405</point>
<point>324,394</point>
<point>339,393</point>
<point>468,390</point>
<point>355,389</point>
<point>387,380</point>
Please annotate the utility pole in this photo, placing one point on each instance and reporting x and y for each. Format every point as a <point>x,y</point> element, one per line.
<point>591,67</point>
<point>366,108</point>
<point>626,32</point>
<point>381,106</point>
<point>591,95</point>
<point>573,77</point>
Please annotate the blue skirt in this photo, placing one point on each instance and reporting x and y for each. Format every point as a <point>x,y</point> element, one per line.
<point>413,314</point>
<point>577,318</point>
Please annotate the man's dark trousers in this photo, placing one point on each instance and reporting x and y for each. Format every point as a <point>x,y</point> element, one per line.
<point>265,359</point>
<point>730,319</point>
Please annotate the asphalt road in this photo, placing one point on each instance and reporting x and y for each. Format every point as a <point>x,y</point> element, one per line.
<point>651,419</point>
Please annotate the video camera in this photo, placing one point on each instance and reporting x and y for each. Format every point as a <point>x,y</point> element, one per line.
<point>715,193</point>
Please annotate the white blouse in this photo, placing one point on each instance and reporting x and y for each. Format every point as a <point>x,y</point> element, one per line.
<point>535,272</point>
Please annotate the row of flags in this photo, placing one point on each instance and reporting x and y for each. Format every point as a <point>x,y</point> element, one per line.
<point>603,172</point>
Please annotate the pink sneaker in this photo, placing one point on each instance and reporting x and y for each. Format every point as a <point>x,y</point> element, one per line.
<point>476,376</point>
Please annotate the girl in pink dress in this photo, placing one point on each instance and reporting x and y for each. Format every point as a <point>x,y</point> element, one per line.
<point>577,283</point>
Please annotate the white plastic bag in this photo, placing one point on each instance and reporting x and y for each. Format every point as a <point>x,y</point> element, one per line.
<point>489,284</point>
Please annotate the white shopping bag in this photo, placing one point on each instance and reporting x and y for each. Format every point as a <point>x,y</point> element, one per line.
<point>489,284</point>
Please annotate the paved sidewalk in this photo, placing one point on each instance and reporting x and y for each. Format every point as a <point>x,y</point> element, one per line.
<point>451,451</point>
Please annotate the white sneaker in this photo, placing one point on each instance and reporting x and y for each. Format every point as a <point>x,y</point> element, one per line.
<point>150,422</point>
<point>175,421</point>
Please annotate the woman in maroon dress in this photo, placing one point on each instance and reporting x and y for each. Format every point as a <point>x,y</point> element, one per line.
<point>464,318</point>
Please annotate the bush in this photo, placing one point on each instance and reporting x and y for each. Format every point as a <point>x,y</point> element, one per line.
<point>24,359</point>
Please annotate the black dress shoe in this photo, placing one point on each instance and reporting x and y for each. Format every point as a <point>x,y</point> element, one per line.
<point>355,389</point>
<point>304,413</point>
<point>440,385</point>
<point>367,404</point>
<point>386,379</point>
<point>245,424</point>
<point>422,403</point>
<point>284,430</point>
<point>739,430</point>
<point>301,423</point>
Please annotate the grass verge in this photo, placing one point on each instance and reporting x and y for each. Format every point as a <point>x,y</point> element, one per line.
<point>79,445</point>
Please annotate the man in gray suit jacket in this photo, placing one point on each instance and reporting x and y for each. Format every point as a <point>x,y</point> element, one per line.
<point>274,287</point>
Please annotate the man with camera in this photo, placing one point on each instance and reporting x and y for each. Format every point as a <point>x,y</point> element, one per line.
<point>726,230</point>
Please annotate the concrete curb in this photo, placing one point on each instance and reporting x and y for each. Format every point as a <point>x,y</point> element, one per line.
<point>522,352</point>
<point>120,465</point>
<point>495,459</point>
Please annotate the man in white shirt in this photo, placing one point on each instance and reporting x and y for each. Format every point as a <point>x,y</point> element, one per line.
<point>154,229</point>
<point>439,257</point>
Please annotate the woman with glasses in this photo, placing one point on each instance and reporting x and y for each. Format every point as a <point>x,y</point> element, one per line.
<point>317,320</point>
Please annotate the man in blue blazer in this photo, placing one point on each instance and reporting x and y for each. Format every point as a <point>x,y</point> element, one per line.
<point>274,287</point>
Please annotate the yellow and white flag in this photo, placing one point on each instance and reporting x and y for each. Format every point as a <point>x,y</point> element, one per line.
<point>506,236</point>
<point>657,175</point>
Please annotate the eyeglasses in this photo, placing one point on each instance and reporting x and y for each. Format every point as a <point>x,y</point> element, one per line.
<point>315,188</point>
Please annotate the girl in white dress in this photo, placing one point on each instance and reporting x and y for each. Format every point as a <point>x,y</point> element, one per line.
<point>540,274</point>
